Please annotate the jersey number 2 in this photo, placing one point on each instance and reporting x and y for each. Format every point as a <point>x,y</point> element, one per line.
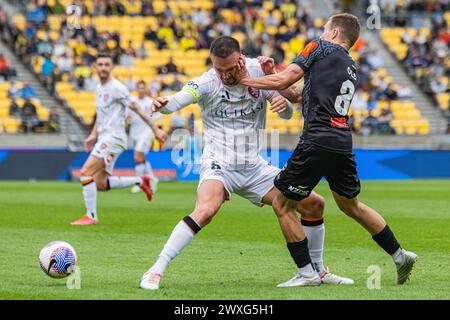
<point>342,103</point>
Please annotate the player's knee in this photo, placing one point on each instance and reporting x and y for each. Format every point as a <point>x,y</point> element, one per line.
<point>102,184</point>
<point>313,208</point>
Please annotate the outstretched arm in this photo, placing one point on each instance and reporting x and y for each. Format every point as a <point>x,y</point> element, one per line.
<point>278,81</point>
<point>179,100</point>
<point>292,93</point>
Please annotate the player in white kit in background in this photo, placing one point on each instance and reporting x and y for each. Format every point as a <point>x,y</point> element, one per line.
<point>233,116</point>
<point>142,136</point>
<point>111,102</point>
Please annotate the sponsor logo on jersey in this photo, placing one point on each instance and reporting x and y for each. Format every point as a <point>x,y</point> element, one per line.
<point>301,190</point>
<point>227,113</point>
<point>309,47</point>
<point>253,92</point>
<point>339,123</point>
<point>105,97</point>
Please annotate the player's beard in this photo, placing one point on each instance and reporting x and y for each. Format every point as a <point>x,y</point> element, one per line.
<point>231,81</point>
<point>104,76</point>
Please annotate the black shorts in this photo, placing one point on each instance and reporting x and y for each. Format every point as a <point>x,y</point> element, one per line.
<point>308,164</point>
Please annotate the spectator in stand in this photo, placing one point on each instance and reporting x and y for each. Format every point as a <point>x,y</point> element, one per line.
<point>142,51</point>
<point>147,8</point>
<point>53,123</point>
<point>130,83</point>
<point>176,84</point>
<point>58,8</point>
<point>14,109</point>
<point>65,64</point>
<point>375,60</point>
<point>81,72</point>
<point>3,24</point>
<point>404,92</point>
<point>27,91</point>
<point>439,84</point>
<point>169,67</point>
<point>154,87</point>
<point>391,92</point>
<point>29,117</point>
<point>384,122</point>
<point>369,125</point>
<point>150,34</point>
<point>29,105</point>
<point>115,8</point>
<point>13,90</point>
<point>47,67</point>
<point>44,46</point>
<point>4,66</point>
<point>126,58</point>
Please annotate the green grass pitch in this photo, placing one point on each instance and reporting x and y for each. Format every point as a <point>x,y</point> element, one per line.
<point>240,255</point>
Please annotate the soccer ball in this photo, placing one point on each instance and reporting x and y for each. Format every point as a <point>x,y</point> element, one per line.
<point>57,259</point>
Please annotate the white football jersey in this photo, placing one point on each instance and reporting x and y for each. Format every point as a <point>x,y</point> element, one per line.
<point>111,102</point>
<point>234,117</point>
<point>138,126</point>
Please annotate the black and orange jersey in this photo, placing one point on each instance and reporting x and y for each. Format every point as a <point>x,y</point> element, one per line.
<point>330,81</point>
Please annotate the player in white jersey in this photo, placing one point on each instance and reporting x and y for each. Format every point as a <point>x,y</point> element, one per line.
<point>111,102</point>
<point>142,137</point>
<point>232,114</point>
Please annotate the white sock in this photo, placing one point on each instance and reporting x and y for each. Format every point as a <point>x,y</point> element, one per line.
<point>181,236</point>
<point>148,170</point>
<point>316,239</point>
<point>140,169</point>
<point>307,270</point>
<point>90,196</point>
<point>398,256</point>
<point>123,182</point>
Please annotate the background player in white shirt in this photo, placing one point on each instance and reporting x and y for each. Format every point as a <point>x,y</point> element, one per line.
<point>234,116</point>
<point>111,102</point>
<point>142,137</point>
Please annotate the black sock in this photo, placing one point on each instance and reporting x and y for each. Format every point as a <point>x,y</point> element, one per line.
<point>386,240</point>
<point>300,252</point>
<point>192,224</point>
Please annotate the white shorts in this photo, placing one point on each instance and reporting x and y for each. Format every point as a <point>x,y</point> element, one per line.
<point>108,149</point>
<point>143,142</point>
<point>252,183</point>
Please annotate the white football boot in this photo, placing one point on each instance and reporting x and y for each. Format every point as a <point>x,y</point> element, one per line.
<point>150,281</point>
<point>329,278</point>
<point>405,267</point>
<point>135,189</point>
<point>302,280</point>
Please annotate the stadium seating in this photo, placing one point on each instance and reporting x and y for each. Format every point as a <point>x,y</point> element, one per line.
<point>393,38</point>
<point>9,124</point>
<point>407,118</point>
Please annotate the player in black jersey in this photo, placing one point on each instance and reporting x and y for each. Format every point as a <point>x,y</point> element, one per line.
<point>325,147</point>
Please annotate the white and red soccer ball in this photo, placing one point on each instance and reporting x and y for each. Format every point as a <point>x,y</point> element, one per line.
<point>57,259</point>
